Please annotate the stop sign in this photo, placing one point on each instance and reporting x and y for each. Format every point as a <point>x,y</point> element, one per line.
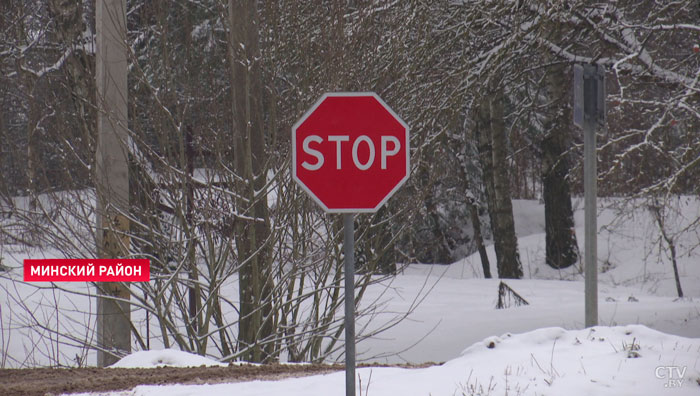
<point>350,152</point>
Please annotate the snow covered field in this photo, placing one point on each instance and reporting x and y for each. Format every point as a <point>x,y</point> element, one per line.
<point>636,287</point>
<point>540,348</point>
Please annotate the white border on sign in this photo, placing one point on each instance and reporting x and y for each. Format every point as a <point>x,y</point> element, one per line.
<point>294,153</point>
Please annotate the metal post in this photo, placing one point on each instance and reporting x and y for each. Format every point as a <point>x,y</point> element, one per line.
<point>590,187</point>
<point>589,111</point>
<point>349,247</point>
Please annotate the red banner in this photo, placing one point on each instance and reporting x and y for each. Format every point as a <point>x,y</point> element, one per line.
<point>87,270</point>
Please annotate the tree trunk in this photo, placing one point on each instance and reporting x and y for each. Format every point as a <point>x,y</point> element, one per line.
<point>479,239</point>
<point>659,216</point>
<point>492,146</point>
<point>32,155</point>
<point>508,259</point>
<point>561,245</point>
<point>484,146</point>
<point>194,291</point>
<point>253,227</point>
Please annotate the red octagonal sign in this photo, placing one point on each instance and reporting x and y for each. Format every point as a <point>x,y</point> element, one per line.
<point>350,152</point>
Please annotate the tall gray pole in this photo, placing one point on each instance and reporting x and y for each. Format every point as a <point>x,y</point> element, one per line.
<point>589,111</point>
<point>590,186</point>
<point>112,177</point>
<point>349,247</point>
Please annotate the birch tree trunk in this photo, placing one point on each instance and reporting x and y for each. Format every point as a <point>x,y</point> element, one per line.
<point>483,137</point>
<point>492,142</point>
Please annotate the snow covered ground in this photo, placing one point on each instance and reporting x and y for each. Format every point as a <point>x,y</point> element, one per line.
<point>636,286</point>
<point>625,360</point>
<point>545,349</point>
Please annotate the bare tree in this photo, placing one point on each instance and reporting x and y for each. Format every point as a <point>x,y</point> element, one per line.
<point>660,218</point>
<point>560,234</point>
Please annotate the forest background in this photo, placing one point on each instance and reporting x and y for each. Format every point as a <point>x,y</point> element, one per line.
<point>214,88</point>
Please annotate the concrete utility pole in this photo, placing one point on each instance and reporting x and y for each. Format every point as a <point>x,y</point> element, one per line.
<point>589,112</point>
<point>112,178</point>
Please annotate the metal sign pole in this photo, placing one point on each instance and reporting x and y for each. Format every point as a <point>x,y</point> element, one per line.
<point>349,247</point>
<point>591,244</point>
<point>589,110</point>
<point>594,113</point>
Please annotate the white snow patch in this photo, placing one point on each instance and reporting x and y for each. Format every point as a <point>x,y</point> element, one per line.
<point>165,357</point>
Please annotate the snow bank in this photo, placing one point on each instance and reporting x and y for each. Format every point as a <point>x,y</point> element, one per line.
<point>165,357</point>
<point>625,360</point>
